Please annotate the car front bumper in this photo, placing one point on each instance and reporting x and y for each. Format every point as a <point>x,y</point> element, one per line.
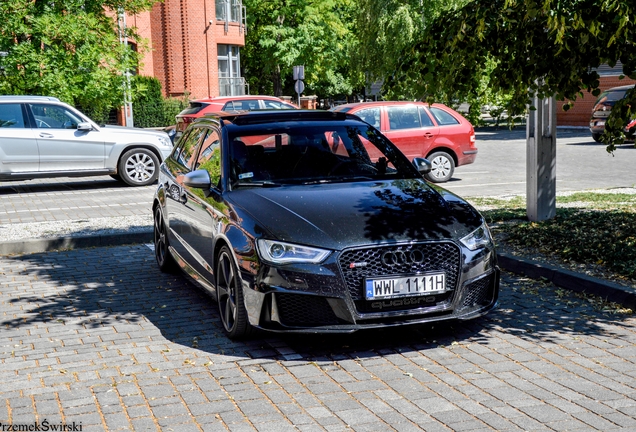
<point>324,298</point>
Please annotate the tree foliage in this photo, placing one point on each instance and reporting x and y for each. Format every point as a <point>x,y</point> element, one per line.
<point>541,47</point>
<point>314,33</point>
<point>67,48</point>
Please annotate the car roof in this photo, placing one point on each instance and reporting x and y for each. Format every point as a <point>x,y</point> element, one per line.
<point>15,98</point>
<point>625,87</point>
<point>381,103</point>
<point>241,97</point>
<point>273,116</point>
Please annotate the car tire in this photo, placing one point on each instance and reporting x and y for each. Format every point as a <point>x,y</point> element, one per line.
<point>596,137</point>
<point>139,167</point>
<point>229,294</point>
<point>165,261</point>
<point>443,167</point>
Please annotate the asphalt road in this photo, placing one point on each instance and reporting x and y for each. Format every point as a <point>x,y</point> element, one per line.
<point>100,339</point>
<point>582,164</point>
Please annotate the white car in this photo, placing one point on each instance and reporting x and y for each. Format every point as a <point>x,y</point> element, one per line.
<point>43,137</point>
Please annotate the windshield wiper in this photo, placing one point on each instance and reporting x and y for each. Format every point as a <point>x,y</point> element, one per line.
<point>264,183</point>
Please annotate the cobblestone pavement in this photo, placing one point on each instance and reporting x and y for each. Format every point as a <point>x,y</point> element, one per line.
<point>100,339</point>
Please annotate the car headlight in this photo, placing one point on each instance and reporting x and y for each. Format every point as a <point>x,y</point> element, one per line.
<point>479,238</point>
<point>276,252</point>
<point>165,141</point>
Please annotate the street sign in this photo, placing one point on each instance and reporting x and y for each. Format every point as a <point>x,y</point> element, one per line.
<point>299,73</point>
<point>299,86</point>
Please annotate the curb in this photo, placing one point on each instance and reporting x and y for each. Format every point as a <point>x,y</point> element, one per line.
<point>74,242</point>
<point>568,279</point>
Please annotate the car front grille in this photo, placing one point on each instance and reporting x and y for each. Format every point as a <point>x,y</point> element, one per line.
<point>304,310</point>
<point>358,264</point>
<point>479,293</point>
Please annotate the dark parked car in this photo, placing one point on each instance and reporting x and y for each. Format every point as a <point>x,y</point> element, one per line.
<point>603,108</point>
<point>313,221</point>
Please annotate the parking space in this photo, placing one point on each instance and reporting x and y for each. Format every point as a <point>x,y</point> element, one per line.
<point>99,338</point>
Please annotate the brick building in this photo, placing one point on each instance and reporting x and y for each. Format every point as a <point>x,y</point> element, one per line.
<point>580,113</point>
<point>194,46</point>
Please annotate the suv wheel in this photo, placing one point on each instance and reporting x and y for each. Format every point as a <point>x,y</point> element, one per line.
<point>139,167</point>
<point>443,167</point>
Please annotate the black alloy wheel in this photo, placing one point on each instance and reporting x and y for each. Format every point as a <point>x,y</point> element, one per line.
<point>229,293</point>
<point>165,261</point>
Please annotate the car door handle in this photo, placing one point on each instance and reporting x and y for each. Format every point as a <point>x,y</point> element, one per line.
<point>428,135</point>
<point>45,135</point>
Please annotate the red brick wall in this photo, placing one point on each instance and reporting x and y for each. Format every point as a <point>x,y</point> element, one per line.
<point>183,37</point>
<point>579,114</point>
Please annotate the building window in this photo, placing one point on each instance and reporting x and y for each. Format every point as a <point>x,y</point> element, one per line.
<point>230,81</point>
<point>228,10</point>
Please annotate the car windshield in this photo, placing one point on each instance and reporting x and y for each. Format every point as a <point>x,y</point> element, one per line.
<point>306,154</point>
<point>611,96</point>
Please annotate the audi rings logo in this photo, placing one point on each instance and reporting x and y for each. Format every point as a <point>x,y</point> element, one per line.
<point>398,258</point>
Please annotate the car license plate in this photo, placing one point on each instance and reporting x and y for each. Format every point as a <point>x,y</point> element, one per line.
<point>386,288</point>
<point>600,123</point>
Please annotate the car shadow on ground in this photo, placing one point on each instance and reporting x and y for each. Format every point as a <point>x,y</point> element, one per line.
<point>17,187</point>
<point>106,290</point>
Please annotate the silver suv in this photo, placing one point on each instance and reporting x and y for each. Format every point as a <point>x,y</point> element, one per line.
<point>43,137</point>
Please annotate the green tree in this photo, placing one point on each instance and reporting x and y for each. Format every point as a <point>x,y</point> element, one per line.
<point>67,48</point>
<point>314,33</point>
<point>541,47</point>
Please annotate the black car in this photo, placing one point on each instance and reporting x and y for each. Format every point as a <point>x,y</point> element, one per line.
<point>313,221</point>
<point>603,108</point>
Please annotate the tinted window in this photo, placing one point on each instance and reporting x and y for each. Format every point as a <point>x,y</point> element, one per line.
<point>11,116</point>
<point>611,96</point>
<point>443,118</point>
<point>210,156</point>
<point>425,118</point>
<point>54,117</point>
<point>298,153</point>
<point>194,108</point>
<point>371,116</point>
<point>185,153</point>
<point>241,105</point>
<point>403,117</point>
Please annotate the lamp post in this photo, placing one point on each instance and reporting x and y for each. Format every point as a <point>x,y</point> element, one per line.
<point>123,39</point>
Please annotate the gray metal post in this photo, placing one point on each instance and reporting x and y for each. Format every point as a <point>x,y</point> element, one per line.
<point>541,160</point>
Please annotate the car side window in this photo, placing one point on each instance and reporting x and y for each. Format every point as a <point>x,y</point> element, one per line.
<point>187,146</point>
<point>371,116</point>
<point>11,116</point>
<point>443,118</point>
<point>210,156</point>
<point>403,117</point>
<point>54,117</point>
<point>425,118</point>
<point>270,104</point>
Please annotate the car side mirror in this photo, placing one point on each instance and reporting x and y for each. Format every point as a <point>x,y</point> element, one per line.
<point>84,126</point>
<point>199,179</point>
<point>423,165</point>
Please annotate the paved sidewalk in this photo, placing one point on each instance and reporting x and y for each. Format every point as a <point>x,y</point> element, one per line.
<point>90,340</point>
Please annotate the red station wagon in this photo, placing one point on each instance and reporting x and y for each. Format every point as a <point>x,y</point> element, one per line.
<point>418,129</point>
<point>200,107</point>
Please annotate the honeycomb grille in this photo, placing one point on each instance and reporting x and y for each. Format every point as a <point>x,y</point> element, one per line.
<point>421,258</point>
<point>304,310</point>
<point>479,292</point>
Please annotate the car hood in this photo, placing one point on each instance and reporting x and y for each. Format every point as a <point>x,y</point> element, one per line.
<point>340,215</point>
<point>131,130</point>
